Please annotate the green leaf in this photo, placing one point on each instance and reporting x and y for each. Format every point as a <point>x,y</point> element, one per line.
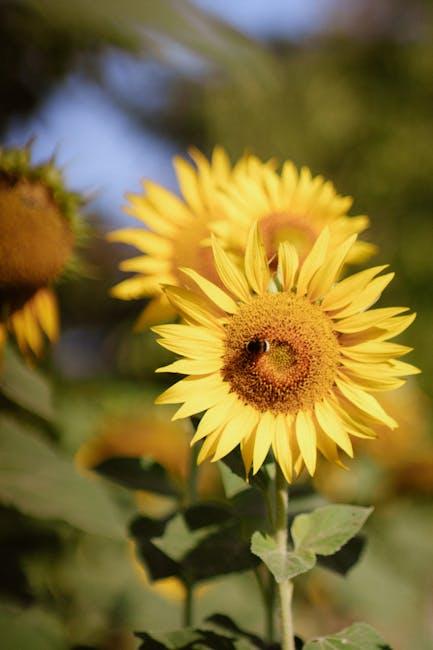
<point>219,553</point>
<point>233,484</point>
<point>359,636</point>
<point>31,628</point>
<point>137,474</point>
<point>346,558</point>
<point>178,539</point>
<point>325,530</point>
<point>25,386</point>
<point>43,484</point>
<point>158,564</point>
<point>282,565</point>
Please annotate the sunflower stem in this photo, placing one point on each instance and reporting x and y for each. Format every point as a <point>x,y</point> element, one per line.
<point>285,588</point>
<point>191,486</point>
<point>188,605</point>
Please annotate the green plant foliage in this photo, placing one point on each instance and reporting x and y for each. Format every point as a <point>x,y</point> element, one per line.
<point>218,631</point>
<point>359,636</point>
<point>321,532</point>
<point>202,542</point>
<point>233,484</point>
<point>43,484</point>
<point>346,558</point>
<point>179,539</point>
<point>30,628</point>
<point>283,566</point>
<point>325,530</point>
<point>137,474</point>
<point>25,386</point>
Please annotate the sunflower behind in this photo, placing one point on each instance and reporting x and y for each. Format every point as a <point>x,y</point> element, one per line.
<point>226,200</point>
<point>40,228</point>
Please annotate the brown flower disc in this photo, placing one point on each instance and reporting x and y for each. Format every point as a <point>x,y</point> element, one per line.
<point>36,240</point>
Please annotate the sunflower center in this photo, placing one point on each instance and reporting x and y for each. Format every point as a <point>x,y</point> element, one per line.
<point>283,226</point>
<point>35,239</point>
<point>281,353</point>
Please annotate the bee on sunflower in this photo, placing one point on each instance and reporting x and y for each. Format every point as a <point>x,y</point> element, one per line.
<point>286,360</point>
<point>40,227</point>
<point>226,200</point>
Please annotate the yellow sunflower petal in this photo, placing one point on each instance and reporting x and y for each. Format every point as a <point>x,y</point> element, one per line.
<point>188,183</point>
<point>145,241</point>
<point>263,439</point>
<point>193,366</point>
<point>288,263</point>
<point>281,445</point>
<point>189,387</point>
<point>156,311</point>
<point>208,447</point>
<point>235,430</point>
<point>367,297</point>
<point>141,209</point>
<point>306,437</point>
<point>214,293</point>
<point>343,292</point>
<point>365,402</point>
<point>45,303</point>
<point>136,287</point>
<point>312,262</point>
<point>231,277</point>
<point>367,319</point>
<point>375,351</point>
<point>215,417</point>
<point>191,306</point>
<point>332,426</point>
<point>256,263</point>
<point>145,264</point>
<point>328,273</point>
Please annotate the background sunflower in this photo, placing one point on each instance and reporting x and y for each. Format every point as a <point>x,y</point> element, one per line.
<point>40,229</point>
<point>341,88</point>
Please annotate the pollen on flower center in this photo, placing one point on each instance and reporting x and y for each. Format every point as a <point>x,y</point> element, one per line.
<point>36,240</point>
<point>298,367</point>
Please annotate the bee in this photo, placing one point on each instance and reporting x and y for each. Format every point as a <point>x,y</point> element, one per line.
<point>258,346</point>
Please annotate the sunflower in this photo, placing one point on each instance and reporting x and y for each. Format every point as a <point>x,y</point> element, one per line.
<point>286,360</point>
<point>39,225</point>
<point>177,233</point>
<point>225,200</point>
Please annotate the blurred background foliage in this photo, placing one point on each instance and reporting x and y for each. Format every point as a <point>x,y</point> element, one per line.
<point>116,89</point>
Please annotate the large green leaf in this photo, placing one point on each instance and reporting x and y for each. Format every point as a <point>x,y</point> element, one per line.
<point>283,565</point>
<point>137,474</point>
<point>321,532</point>
<point>203,542</point>
<point>325,530</point>
<point>25,386</point>
<point>43,484</point>
<point>178,539</point>
<point>358,636</point>
<point>30,628</point>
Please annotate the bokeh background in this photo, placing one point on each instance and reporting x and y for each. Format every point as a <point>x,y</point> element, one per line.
<point>116,89</point>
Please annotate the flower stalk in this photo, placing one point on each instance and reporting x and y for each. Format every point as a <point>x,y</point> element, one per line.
<point>285,588</point>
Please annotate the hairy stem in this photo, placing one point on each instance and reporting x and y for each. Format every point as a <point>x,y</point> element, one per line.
<point>285,589</point>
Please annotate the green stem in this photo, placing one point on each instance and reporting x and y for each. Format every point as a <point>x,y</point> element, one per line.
<point>190,497</point>
<point>285,588</point>
<point>191,485</point>
<point>188,606</point>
